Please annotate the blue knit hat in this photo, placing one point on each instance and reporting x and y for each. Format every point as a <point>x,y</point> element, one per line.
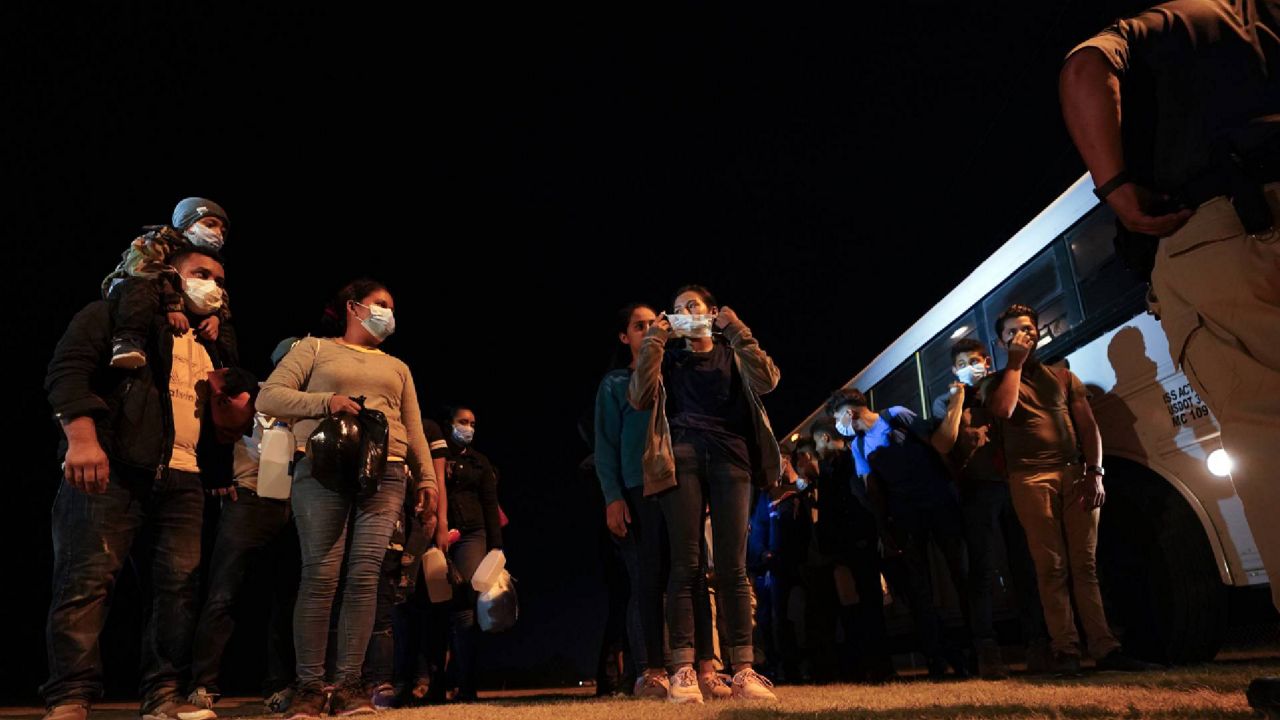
<point>191,210</point>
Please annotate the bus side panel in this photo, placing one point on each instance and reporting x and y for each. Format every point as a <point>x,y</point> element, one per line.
<point>1149,413</point>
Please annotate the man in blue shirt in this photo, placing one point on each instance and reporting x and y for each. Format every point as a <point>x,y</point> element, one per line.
<point>915,501</point>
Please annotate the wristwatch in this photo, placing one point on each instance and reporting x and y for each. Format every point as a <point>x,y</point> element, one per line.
<point>1094,470</point>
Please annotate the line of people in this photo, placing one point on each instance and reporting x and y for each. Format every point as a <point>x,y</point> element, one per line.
<point>156,416</point>
<point>1011,460</point>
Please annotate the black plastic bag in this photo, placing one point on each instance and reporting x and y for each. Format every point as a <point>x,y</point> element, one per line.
<point>348,453</point>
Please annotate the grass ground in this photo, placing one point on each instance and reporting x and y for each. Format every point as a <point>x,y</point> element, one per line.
<point>1204,692</point>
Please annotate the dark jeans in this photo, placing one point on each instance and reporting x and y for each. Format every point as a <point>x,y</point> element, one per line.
<point>647,555</point>
<point>773,617</point>
<point>864,628</point>
<point>989,520</point>
<point>92,537</point>
<point>251,529</point>
<point>323,517</point>
<point>702,475</point>
<point>466,555</point>
<point>137,301</point>
<point>615,668</point>
<point>914,528</point>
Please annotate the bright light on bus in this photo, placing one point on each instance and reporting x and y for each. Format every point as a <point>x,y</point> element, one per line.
<point>960,331</point>
<point>795,437</point>
<point>1220,463</point>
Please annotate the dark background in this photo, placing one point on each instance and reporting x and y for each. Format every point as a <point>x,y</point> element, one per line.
<point>514,176</point>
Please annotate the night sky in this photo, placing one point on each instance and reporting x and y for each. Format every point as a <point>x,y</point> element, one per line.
<point>514,176</point>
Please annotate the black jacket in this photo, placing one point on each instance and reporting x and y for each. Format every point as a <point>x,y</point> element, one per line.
<point>131,408</point>
<point>472,485</point>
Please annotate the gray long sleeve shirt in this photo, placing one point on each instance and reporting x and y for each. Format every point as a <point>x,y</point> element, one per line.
<point>316,369</point>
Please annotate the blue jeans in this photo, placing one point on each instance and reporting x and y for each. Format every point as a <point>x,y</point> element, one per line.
<point>322,517</point>
<point>466,554</point>
<point>250,529</point>
<point>93,535</point>
<point>701,476</point>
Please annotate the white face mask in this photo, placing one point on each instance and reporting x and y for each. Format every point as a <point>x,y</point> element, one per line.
<point>971,374</point>
<point>691,326</point>
<point>204,297</point>
<point>204,236</point>
<point>845,427</point>
<point>380,323</point>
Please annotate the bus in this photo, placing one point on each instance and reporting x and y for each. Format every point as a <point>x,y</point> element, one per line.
<point>1173,539</point>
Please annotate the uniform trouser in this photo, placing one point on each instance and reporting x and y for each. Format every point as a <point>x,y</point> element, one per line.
<point>1219,288</point>
<point>1063,539</point>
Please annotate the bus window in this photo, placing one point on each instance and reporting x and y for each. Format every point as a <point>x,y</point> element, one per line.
<point>1100,276</point>
<point>935,358</point>
<point>900,387</point>
<point>1044,284</point>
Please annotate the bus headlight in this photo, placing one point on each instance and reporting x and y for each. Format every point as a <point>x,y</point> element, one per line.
<point>1220,463</point>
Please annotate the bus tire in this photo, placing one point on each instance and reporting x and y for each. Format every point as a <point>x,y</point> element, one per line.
<point>1160,585</point>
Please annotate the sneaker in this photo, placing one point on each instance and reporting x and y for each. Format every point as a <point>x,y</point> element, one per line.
<point>751,685</point>
<point>176,709</point>
<point>278,701</point>
<point>990,662</point>
<point>307,703</point>
<point>1117,661</point>
<point>383,696</point>
<point>1263,695</point>
<point>652,685</point>
<point>684,687</point>
<point>1066,664</point>
<point>69,711</point>
<point>1039,657</point>
<point>350,698</point>
<point>715,686</point>
<point>127,356</point>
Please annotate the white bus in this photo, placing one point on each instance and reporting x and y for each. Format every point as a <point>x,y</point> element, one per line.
<point>1173,537</point>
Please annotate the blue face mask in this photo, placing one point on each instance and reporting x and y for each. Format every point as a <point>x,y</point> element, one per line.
<point>463,434</point>
<point>845,427</point>
<point>971,374</point>
<point>380,323</point>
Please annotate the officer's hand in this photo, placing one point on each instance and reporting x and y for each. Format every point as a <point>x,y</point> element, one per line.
<point>1129,200</point>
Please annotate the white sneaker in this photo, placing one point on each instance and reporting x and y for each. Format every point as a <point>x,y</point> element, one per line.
<point>750,685</point>
<point>684,687</point>
<point>715,686</point>
<point>652,685</point>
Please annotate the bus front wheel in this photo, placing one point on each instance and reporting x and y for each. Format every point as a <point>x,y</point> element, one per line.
<point>1163,596</point>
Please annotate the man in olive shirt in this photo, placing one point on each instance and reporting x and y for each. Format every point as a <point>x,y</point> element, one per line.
<point>1045,412</point>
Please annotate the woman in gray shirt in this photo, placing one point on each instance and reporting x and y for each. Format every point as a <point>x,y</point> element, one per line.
<point>319,377</point>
